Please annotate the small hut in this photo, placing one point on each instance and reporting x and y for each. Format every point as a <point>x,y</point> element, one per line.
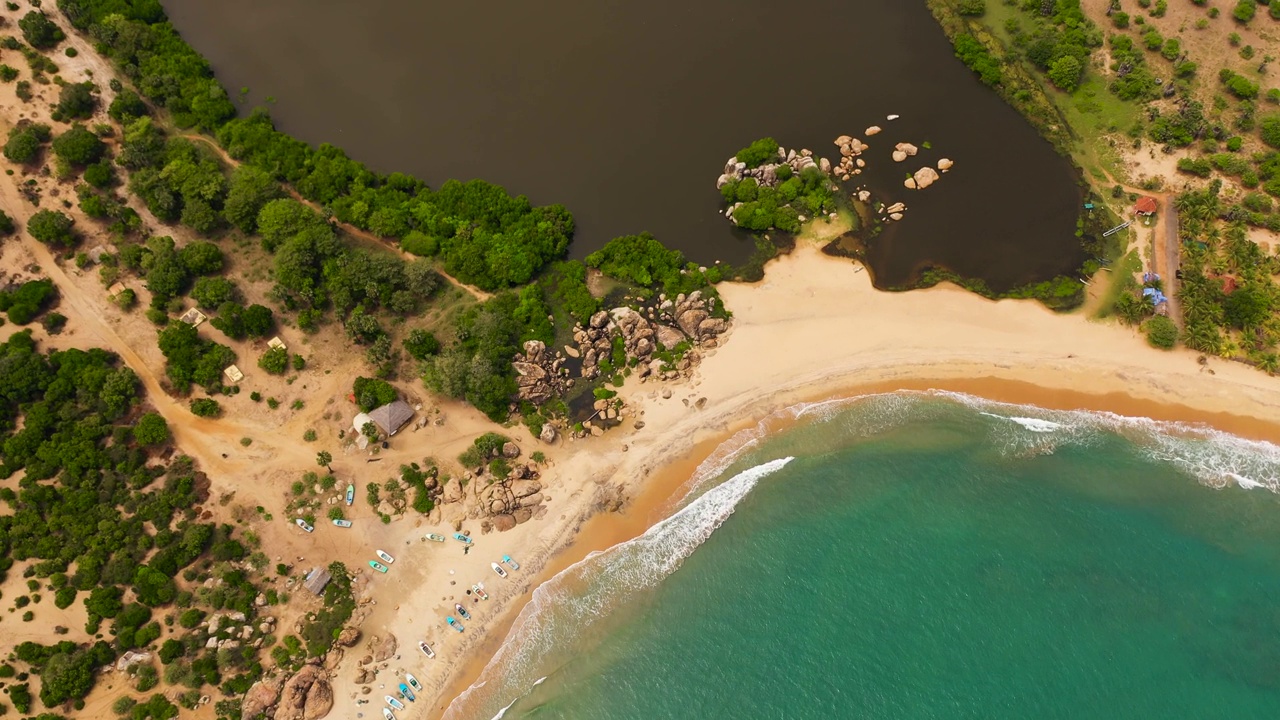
<point>233,374</point>
<point>193,317</point>
<point>316,579</point>
<point>391,417</point>
<point>1145,207</point>
<point>276,342</point>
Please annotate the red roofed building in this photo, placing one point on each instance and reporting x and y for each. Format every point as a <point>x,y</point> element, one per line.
<point>1145,206</point>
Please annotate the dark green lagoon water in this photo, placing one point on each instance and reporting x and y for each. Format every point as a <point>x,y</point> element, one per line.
<point>926,556</point>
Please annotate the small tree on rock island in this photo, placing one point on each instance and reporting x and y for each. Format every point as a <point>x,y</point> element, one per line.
<point>323,459</point>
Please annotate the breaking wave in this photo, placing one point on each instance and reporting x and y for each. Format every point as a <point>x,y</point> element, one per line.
<point>587,590</point>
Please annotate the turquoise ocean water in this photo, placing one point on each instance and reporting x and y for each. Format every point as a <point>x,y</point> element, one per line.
<point>926,555</point>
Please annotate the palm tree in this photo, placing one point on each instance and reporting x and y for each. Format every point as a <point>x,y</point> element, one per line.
<point>323,458</point>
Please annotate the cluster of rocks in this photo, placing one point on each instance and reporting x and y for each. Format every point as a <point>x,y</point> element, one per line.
<point>512,501</point>
<point>308,695</point>
<point>665,325</point>
<point>233,629</point>
<point>926,176</point>
<point>850,150</point>
<point>542,374</point>
<point>766,174</point>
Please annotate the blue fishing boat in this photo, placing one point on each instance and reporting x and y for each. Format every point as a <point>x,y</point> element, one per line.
<point>454,624</point>
<point>393,702</point>
<point>510,563</point>
<point>462,538</point>
<point>351,494</point>
<point>405,691</point>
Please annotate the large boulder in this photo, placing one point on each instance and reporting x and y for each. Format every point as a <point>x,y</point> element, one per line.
<point>306,696</point>
<point>925,177</point>
<point>548,434</point>
<point>385,649</point>
<point>510,450</point>
<point>503,523</point>
<point>524,488</point>
<point>690,319</point>
<point>712,327</point>
<point>261,697</point>
<point>531,500</point>
<point>668,337</point>
<point>600,319</point>
<point>349,636</point>
<point>452,492</point>
<point>522,515</point>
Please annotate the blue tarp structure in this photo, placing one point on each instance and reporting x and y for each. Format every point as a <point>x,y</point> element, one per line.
<point>1156,296</point>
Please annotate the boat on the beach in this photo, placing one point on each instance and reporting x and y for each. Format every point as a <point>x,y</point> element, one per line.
<point>454,624</point>
<point>388,714</point>
<point>461,537</point>
<point>304,525</point>
<point>341,523</point>
<point>434,537</point>
<point>426,650</point>
<point>351,494</point>
<point>478,588</point>
<point>510,563</point>
<point>377,566</point>
<point>498,569</point>
<point>405,691</point>
<point>462,611</point>
<point>413,681</point>
<point>393,702</point>
<point>385,557</point>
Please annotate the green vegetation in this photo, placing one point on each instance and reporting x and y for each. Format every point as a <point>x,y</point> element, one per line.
<point>52,227</point>
<point>642,261</point>
<point>27,301</point>
<point>483,448</point>
<point>275,361</point>
<point>191,359</point>
<point>371,393</point>
<point>39,31</point>
<point>97,495</point>
<point>755,154</point>
<point>25,141</point>
<point>761,207</point>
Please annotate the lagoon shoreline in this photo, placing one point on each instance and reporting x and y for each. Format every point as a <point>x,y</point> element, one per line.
<point>1014,352</point>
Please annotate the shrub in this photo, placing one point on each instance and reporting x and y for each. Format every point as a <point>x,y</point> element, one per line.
<point>1244,11</point>
<point>1161,332</point>
<point>25,140</point>
<point>972,8</point>
<point>421,344</point>
<point>78,146</point>
<point>206,407</point>
<point>275,361</point>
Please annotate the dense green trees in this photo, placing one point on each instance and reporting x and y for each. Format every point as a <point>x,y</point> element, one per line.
<point>39,31</point>
<point>24,303</point>
<point>371,393</point>
<point>151,429</point>
<point>190,359</point>
<point>239,322</point>
<point>53,228</point>
<point>249,191</point>
<point>758,152</point>
<point>76,101</point>
<point>421,344</point>
<point>78,147</point>
<point>477,367</point>
<point>977,58</point>
<point>213,292</point>
<point>25,140</point>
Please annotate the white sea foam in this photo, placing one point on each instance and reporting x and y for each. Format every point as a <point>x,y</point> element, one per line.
<point>1033,424</point>
<point>589,589</point>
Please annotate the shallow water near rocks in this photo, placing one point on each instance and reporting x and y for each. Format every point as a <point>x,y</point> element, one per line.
<point>626,112</point>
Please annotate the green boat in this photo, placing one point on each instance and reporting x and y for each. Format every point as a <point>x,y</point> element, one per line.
<point>377,566</point>
<point>433,537</point>
<point>351,494</point>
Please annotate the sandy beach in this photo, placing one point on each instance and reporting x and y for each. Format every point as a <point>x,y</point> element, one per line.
<point>814,329</point>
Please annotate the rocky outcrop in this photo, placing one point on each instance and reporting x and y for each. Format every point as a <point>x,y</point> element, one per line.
<point>261,697</point>
<point>306,696</point>
<point>513,500</point>
<point>541,375</point>
<point>548,434</point>
<point>945,164</point>
<point>384,649</point>
<point>349,636</point>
